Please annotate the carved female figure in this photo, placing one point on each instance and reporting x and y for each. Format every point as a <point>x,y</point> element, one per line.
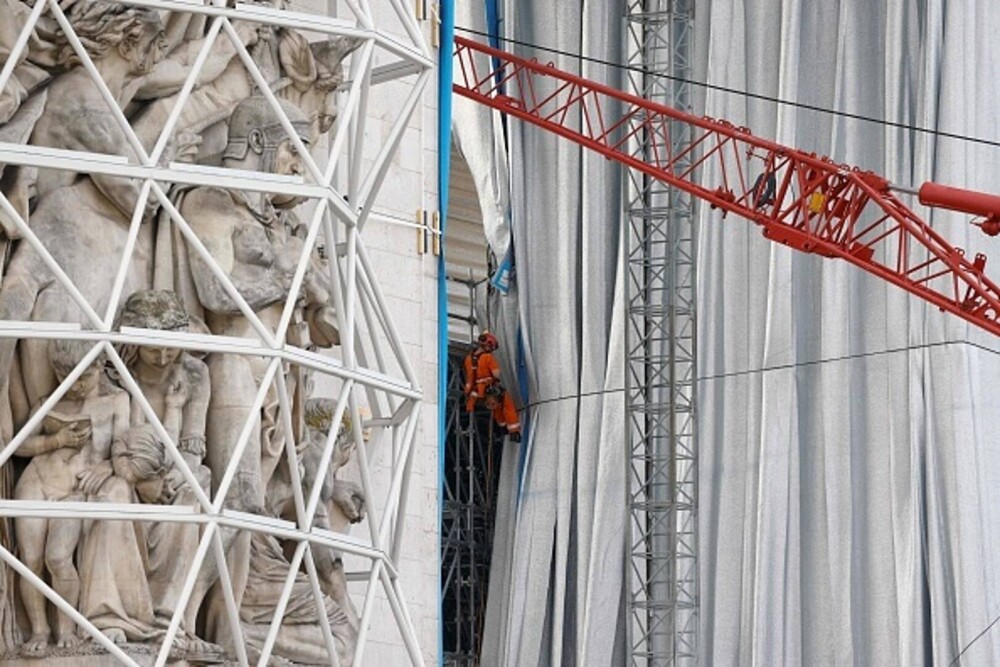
<point>123,593</point>
<point>176,385</point>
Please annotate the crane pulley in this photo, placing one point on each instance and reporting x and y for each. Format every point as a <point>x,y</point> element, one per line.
<point>808,202</point>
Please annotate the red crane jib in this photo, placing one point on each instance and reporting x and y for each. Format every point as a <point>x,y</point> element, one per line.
<point>799,199</point>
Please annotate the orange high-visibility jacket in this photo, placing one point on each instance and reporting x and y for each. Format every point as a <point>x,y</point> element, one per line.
<point>481,370</point>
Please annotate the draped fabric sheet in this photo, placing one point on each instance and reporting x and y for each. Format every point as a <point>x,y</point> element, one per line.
<point>849,434</point>
<point>850,441</point>
<point>561,559</point>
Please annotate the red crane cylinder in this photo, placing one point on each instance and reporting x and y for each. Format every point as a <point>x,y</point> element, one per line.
<point>957,199</point>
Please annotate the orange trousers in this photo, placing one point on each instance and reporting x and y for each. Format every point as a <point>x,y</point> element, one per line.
<point>505,414</point>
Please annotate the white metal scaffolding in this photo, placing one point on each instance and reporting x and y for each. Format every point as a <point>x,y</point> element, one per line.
<point>662,488</point>
<point>370,361</point>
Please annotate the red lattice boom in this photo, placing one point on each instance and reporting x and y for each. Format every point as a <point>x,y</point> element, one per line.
<point>807,202</point>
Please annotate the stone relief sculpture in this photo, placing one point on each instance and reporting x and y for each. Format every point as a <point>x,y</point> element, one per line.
<point>124,44</point>
<point>98,445</point>
<point>177,388</point>
<point>300,638</point>
<point>75,217</point>
<point>68,460</point>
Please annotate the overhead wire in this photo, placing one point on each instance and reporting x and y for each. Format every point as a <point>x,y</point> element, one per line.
<point>783,367</point>
<point>742,93</point>
<point>973,641</point>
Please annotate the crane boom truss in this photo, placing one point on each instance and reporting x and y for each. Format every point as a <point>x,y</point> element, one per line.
<point>799,199</point>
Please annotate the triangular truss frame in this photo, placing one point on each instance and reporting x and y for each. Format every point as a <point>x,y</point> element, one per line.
<point>391,387</point>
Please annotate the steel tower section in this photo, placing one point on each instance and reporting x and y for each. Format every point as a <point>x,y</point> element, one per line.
<point>662,452</point>
<point>472,450</point>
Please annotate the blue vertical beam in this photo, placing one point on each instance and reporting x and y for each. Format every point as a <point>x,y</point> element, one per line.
<point>445,65</point>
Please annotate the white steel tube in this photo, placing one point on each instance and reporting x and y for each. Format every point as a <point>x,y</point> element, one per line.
<point>98,82</point>
<point>179,173</point>
<point>219,552</point>
<point>366,479</point>
<point>398,470</point>
<point>377,175</point>
<point>50,262</point>
<point>241,442</point>
<point>283,530</point>
<point>185,92</point>
<point>350,300</point>
<point>402,619</point>
<point>357,128</point>
<point>189,582</point>
<point>411,26</point>
<point>133,234</point>
<point>300,271</point>
<point>360,65</point>
<point>390,328</point>
<point>210,343</point>
<point>366,613</point>
<point>286,530</point>
<point>363,18</point>
<point>375,315</point>
<point>324,621</point>
<point>363,376</point>
<point>366,7</point>
<point>370,319</point>
<point>291,453</point>
<point>333,269</point>
<point>404,492</point>
<point>279,612</point>
<point>65,607</point>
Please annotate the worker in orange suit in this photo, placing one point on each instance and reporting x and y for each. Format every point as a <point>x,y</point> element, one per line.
<point>481,369</point>
<point>504,412</point>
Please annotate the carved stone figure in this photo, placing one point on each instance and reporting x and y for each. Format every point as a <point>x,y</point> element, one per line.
<point>15,15</point>
<point>300,639</point>
<point>343,495</point>
<point>69,460</point>
<point>222,84</point>
<point>248,235</point>
<point>116,595</point>
<point>124,43</point>
<point>177,387</point>
<point>125,593</point>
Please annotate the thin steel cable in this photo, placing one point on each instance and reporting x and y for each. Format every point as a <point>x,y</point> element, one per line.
<point>779,367</point>
<point>974,640</point>
<point>743,93</point>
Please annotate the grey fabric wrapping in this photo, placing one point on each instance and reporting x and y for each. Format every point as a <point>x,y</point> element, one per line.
<point>850,455</point>
<point>848,491</point>
<point>564,551</point>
